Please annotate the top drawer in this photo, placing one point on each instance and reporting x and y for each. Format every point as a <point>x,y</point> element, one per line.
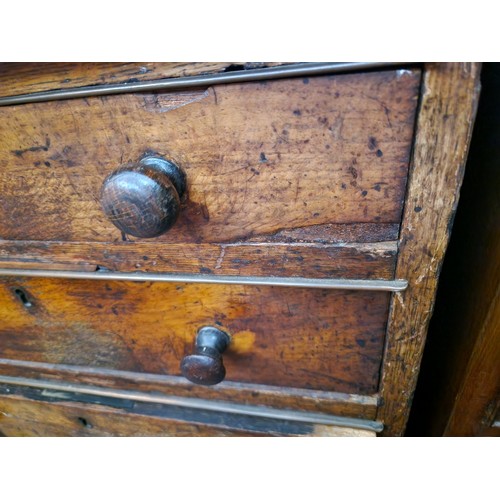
<point>314,154</point>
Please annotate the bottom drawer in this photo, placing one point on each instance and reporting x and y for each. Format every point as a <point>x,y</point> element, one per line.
<point>20,416</point>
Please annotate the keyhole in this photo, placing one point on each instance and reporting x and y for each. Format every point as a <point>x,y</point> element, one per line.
<point>21,295</point>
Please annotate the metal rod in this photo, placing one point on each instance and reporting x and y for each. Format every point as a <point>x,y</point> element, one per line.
<point>338,284</point>
<point>286,71</point>
<point>200,404</point>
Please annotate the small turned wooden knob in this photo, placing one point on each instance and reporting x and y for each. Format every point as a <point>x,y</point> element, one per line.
<point>143,199</point>
<point>205,366</point>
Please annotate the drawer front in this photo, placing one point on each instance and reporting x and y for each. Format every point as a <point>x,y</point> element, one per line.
<point>326,340</point>
<point>322,159</point>
<point>20,416</point>
<point>24,417</point>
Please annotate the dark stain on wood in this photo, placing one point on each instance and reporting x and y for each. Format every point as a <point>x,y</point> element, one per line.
<point>276,333</point>
<point>64,205</point>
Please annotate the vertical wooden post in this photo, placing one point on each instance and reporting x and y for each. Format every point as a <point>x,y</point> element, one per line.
<point>448,106</point>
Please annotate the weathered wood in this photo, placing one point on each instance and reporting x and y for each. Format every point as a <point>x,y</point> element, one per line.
<point>347,405</point>
<point>447,111</point>
<point>459,381</point>
<point>312,260</point>
<point>26,78</point>
<point>333,431</point>
<point>20,416</point>
<point>327,340</point>
<point>260,158</point>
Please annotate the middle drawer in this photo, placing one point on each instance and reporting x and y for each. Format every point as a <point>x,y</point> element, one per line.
<point>327,340</point>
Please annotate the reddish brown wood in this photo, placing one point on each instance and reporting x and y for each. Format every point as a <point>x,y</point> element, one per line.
<point>447,111</point>
<point>260,158</point>
<point>313,260</point>
<point>327,340</point>
<point>26,78</point>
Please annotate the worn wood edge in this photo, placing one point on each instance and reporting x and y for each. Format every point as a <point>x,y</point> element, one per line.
<point>35,415</point>
<point>449,100</point>
<point>74,392</point>
<point>37,418</point>
<point>161,84</point>
<point>341,404</point>
<point>27,78</point>
<point>314,260</point>
<point>333,431</point>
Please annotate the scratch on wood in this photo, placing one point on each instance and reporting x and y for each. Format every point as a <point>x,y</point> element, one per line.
<point>160,103</point>
<point>220,259</point>
<point>400,299</point>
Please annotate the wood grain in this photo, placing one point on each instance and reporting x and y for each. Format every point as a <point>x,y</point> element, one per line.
<point>326,340</point>
<point>260,158</point>
<point>473,379</point>
<point>20,416</point>
<point>444,126</point>
<point>312,260</point>
<point>347,405</point>
<point>333,431</point>
<point>459,383</point>
<point>26,78</point>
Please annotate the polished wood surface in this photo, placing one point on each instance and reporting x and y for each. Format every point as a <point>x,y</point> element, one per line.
<point>26,78</point>
<point>260,158</point>
<point>327,340</point>
<point>444,126</point>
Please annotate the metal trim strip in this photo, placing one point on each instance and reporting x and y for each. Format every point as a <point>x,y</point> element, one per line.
<point>286,71</point>
<point>337,284</point>
<point>200,404</point>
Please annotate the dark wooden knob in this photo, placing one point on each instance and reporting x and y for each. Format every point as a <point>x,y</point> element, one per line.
<point>143,198</point>
<point>205,366</point>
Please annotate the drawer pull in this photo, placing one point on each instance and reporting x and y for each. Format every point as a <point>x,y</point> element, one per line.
<point>205,366</point>
<point>143,198</point>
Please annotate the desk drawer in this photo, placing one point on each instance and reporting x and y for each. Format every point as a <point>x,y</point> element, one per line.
<point>312,161</point>
<point>51,414</point>
<point>326,340</point>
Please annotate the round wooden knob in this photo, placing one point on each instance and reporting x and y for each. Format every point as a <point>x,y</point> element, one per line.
<point>143,199</point>
<point>205,366</point>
